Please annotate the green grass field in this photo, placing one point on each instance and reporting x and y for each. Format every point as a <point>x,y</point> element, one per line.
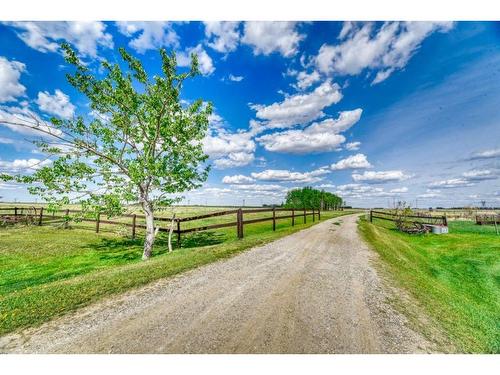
<point>455,277</point>
<point>47,271</point>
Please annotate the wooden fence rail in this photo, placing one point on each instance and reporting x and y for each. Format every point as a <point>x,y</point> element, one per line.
<point>41,216</point>
<point>488,219</point>
<point>430,220</point>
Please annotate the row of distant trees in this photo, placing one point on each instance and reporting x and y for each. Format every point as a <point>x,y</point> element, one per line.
<point>310,198</point>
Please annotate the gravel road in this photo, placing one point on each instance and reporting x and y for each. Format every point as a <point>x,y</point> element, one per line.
<point>315,291</point>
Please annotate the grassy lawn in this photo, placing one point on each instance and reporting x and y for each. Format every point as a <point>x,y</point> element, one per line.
<point>456,277</point>
<point>48,271</point>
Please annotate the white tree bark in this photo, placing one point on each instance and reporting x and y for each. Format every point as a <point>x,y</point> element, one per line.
<point>172,223</point>
<point>150,231</point>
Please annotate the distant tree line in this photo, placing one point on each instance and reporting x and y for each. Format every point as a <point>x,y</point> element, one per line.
<point>309,198</point>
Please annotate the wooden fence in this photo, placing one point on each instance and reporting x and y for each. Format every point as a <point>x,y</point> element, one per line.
<point>493,219</point>
<point>422,219</point>
<point>39,216</point>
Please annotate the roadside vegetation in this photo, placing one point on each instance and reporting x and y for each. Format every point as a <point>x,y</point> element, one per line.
<point>455,277</point>
<point>46,272</point>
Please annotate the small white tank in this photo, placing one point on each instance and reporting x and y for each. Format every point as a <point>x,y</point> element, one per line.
<point>439,229</point>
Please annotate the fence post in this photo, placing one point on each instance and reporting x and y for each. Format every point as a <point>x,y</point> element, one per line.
<point>178,233</point>
<point>134,218</point>
<point>97,222</point>
<point>41,217</point>
<point>445,221</point>
<point>239,223</point>
<point>274,218</point>
<point>371,217</point>
<point>313,215</point>
<point>15,211</point>
<point>305,220</point>
<point>319,215</point>
<point>293,217</point>
<point>66,219</point>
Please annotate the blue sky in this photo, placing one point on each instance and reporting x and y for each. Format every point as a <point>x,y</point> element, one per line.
<point>374,112</point>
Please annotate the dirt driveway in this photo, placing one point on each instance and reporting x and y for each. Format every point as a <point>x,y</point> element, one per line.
<point>315,291</point>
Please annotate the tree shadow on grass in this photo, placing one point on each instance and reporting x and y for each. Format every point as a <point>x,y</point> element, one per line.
<point>118,249</point>
<point>122,250</point>
<point>198,239</point>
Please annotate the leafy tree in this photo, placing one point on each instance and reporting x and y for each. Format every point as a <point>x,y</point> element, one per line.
<point>142,146</point>
<point>309,198</point>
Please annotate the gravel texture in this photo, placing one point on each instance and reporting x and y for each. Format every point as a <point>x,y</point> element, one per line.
<point>315,291</point>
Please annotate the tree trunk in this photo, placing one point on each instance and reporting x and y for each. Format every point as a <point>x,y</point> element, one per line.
<point>150,230</point>
<point>170,234</point>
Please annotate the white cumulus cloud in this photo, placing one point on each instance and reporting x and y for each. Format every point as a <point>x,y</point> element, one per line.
<point>383,50</point>
<point>467,179</point>
<point>364,191</point>
<point>46,36</point>
<point>480,175</point>
<point>237,179</point>
<point>257,187</point>
<point>403,189</point>
<point>300,108</point>
<point>305,79</point>
<point>205,62</point>
<point>235,78</point>
<point>19,165</point>
<point>267,37</point>
<point>300,142</point>
<point>57,104</point>
<point>318,137</point>
<point>222,36</point>
<point>357,161</point>
<point>450,183</point>
<point>289,176</point>
<point>352,146</point>
<point>229,149</point>
<point>148,35</point>
<point>380,177</point>
<point>10,73</point>
<point>487,154</point>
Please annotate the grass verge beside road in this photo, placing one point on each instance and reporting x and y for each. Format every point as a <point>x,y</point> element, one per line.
<point>46,272</point>
<point>455,277</point>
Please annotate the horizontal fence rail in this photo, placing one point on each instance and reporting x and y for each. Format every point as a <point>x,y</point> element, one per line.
<point>422,219</point>
<point>40,216</point>
<point>487,219</point>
